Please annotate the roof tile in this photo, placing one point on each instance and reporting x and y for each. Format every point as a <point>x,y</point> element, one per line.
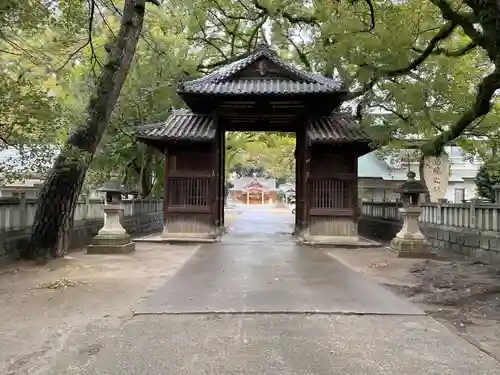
<point>185,125</point>
<point>337,127</point>
<point>181,124</point>
<point>221,80</point>
<point>259,86</point>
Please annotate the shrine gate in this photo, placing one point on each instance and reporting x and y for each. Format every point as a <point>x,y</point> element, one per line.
<point>260,92</point>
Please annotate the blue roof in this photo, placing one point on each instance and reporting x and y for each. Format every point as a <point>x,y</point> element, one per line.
<point>371,166</point>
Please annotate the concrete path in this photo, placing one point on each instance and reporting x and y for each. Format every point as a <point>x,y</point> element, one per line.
<point>256,270</point>
<point>288,344</point>
<point>267,282</point>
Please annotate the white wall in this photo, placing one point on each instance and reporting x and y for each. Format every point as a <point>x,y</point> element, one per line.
<point>378,191</point>
<point>468,185</point>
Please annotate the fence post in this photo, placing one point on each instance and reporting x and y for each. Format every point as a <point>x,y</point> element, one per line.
<point>23,210</point>
<point>496,188</point>
<point>86,203</point>
<point>472,214</point>
<point>439,218</point>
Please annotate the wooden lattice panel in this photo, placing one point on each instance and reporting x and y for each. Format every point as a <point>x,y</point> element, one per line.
<point>332,194</point>
<point>188,191</point>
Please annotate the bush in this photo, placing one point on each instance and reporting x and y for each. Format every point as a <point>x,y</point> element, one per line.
<point>486,179</point>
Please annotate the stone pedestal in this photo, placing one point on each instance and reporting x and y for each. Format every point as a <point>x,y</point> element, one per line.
<point>112,238</point>
<point>410,242</point>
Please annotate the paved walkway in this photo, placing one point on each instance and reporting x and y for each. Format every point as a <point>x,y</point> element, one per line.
<point>267,281</point>
<point>259,268</point>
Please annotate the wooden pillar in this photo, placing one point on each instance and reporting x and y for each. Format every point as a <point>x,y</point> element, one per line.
<point>165,186</point>
<point>302,168</point>
<point>298,185</point>
<point>222,179</point>
<point>355,194</point>
<point>307,188</point>
<point>216,175</point>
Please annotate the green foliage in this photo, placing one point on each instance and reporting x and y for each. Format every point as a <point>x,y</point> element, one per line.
<point>48,68</point>
<point>260,154</point>
<point>486,179</point>
<point>32,121</point>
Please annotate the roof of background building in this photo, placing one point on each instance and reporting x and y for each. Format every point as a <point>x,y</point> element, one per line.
<point>241,183</point>
<point>371,166</point>
<point>287,186</point>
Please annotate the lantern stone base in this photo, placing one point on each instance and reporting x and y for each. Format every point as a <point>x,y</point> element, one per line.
<point>410,242</point>
<point>112,238</point>
<point>412,248</point>
<point>111,244</point>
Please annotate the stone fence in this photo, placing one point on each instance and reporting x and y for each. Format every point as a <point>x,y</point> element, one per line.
<point>17,215</point>
<point>470,229</point>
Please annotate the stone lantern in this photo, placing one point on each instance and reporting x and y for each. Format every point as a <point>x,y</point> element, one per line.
<point>410,242</point>
<point>112,237</point>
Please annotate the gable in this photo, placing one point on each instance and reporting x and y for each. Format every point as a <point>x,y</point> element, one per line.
<point>263,67</point>
<point>259,72</point>
<point>255,185</point>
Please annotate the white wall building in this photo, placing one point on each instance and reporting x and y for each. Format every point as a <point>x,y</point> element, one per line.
<point>379,177</point>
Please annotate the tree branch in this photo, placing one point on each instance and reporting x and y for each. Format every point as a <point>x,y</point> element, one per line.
<point>255,32</point>
<point>372,15</point>
<point>465,20</point>
<point>481,107</point>
<point>10,53</point>
<point>235,17</point>
<point>307,19</point>
<point>454,53</point>
<point>444,32</point>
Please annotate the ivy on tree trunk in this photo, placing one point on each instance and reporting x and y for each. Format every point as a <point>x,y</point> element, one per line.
<point>62,187</point>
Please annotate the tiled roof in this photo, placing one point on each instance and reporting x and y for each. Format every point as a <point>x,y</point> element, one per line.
<point>336,127</point>
<point>243,182</point>
<point>223,80</point>
<point>186,125</point>
<point>371,166</point>
<point>181,124</point>
<point>259,86</point>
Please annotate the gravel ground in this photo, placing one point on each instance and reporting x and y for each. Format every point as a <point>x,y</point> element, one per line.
<point>44,305</point>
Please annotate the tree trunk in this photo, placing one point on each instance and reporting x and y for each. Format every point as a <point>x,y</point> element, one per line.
<point>59,195</point>
<point>145,175</point>
<point>421,165</point>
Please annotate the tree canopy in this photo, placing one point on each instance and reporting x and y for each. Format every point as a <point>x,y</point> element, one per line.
<point>417,69</point>
<point>487,179</point>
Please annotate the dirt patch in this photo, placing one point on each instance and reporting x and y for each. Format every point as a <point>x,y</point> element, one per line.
<point>465,295</point>
<point>43,305</point>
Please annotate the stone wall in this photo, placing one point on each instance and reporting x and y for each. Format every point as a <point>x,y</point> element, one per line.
<point>378,229</point>
<point>479,244</point>
<point>483,245</point>
<point>13,242</point>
